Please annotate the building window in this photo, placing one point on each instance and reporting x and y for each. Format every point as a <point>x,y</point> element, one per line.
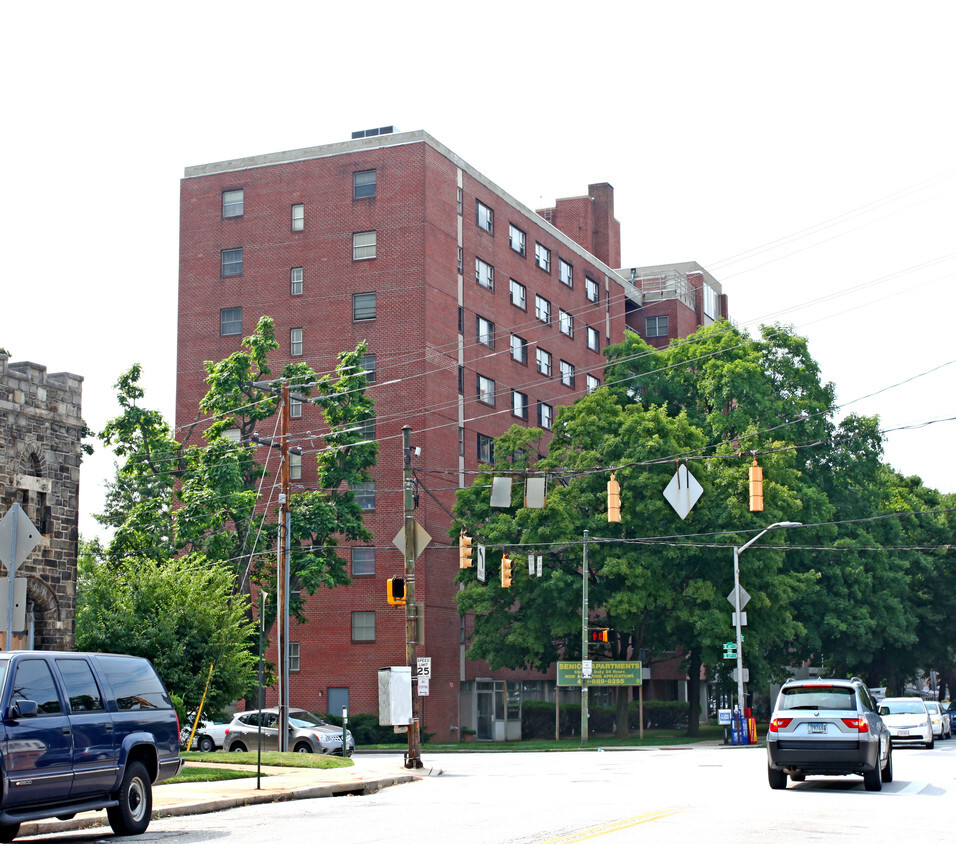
<point>486,390</point>
<point>567,373</point>
<point>366,429</point>
<point>656,326</point>
<point>461,441</point>
<point>460,201</point>
<point>295,341</point>
<point>369,364</point>
<point>565,272</point>
<point>230,321</point>
<point>517,239</point>
<point>364,245</point>
<point>484,274</point>
<point>365,495</point>
<point>542,257</point>
<point>295,408</point>
<point>565,323</point>
<point>295,466</point>
<point>594,339</point>
<point>484,217</point>
<point>593,383</point>
<point>298,218</point>
<point>544,362</point>
<point>519,348</point>
<point>294,656</point>
<point>591,289</point>
<point>363,626</point>
<point>461,380</point>
<point>519,404</point>
<point>232,203</point>
<point>486,449</point>
<point>485,330</point>
<point>295,277</point>
<point>363,306</point>
<point>519,295</point>
<point>363,560</point>
<point>231,262</point>
<point>461,260</point>
<point>711,302</point>
<point>363,184</point>
<point>461,320</point>
<point>545,415</point>
<point>542,309</point>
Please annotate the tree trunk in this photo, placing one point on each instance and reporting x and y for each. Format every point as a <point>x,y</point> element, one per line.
<point>693,693</point>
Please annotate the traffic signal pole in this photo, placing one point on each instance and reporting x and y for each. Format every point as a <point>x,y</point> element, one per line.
<point>413,757</point>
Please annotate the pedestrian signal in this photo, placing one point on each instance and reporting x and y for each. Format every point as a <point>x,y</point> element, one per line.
<point>395,587</point>
<point>600,635</point>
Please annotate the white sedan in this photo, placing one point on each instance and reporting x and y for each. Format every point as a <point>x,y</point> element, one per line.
<point>209,736</point>
<point>940,719</point>
<point>908,720</point>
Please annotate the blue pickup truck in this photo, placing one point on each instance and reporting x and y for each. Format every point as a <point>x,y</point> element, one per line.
<point>80,733</point>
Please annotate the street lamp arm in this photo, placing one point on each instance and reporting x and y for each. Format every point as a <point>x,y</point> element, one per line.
<point>751,541</point>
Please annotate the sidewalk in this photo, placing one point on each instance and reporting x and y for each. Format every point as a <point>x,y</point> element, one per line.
<point>278,784</point>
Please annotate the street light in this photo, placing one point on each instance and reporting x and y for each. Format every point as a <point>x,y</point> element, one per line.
<point>738,550</point>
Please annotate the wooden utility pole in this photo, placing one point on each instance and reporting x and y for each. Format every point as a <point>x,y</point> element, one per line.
<point>413,757</point>
<point>282,571</point>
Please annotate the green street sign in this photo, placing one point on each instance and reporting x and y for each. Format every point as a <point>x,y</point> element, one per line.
<point>602,674</point>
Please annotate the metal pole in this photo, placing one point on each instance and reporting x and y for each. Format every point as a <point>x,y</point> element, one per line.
<point>413,757</point>
<point>12,572</point>
<point>740,650</point>
<point>584,642</point>
<point>282,574</point>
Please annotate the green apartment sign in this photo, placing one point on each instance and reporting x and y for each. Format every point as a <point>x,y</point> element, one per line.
<point>602,674</point>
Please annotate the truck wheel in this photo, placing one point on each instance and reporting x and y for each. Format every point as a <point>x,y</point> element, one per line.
<point>132,815</point>
<point>8,831</point>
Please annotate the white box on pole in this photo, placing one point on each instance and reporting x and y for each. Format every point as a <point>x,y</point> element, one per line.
<point>395,695</point>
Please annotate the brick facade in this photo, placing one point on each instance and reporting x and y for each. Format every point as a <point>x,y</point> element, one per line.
<point>40,470</point>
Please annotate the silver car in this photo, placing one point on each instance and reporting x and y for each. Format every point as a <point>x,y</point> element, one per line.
<point>908,720</point>
<point>308,733</point>
<point>828,727</point>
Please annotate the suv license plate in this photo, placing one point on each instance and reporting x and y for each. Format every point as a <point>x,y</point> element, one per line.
<point>817,728</point>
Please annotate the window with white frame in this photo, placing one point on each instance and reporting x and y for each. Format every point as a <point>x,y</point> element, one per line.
<point>364,245</point>
<point>517,239</point>
<point>363,626</point>
<point>545,415</point>
<point>230,321</point>
<point>296,279</point>
<point>519,404</point>
<point>542,309</point>
<point>294,652</point>
<point>363,561</point>
<point>298,217</point>
<point>366,429</point>
<point>519,295</point>
<point>363,306</point>
<point>232,203</point>
<point>486,449</point>
<point>364,495</point>
<point>295,466</point>
<point>593,383</point>
<point>461,197</point>
<point>591,289</point>
<point>369,364</point>
<point>486,390</point>
<point>566,323</point>
<point>711,300</point>
<point>461,260</point>
<point>565,272</point>
<point>656,326</point>
<point>231,262</point>
<point>295,408</point>
<point>364,184</point>
<point>485,331</point>
<point>594,339</point>
<point>519,348</point>
<point>484,217</point>
<point>543,359</point>
<point>484,274</point>
<point>542,257</point>
<point>567,373</point>
<point>295,341</point>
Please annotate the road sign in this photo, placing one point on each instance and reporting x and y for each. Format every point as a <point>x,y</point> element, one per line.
<point>746,675</point>
<point>587,668</point>
<point>744,597</point>
<point>602,673</point>
<point>422,538</point>
<point>480,557</point>
<point>424,667</point>
<point>16,547</point>
<point>423,686</point>
<point>683,491</point>
<point>743,619</point>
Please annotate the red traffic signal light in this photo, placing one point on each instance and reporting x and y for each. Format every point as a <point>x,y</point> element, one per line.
<point>600,635</point>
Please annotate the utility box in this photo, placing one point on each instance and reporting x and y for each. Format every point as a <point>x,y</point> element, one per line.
<point>395,696</point>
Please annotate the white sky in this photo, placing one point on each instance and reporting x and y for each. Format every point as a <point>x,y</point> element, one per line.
<point>801,153</point>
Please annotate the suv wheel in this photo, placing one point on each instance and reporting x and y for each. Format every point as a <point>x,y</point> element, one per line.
<point>888,768</point>
<point>303,747</point>
<point>873,780</point>
<point>8,831</point>
<point>237,747</point>
<point>777,779</point>
<point>132,815</point>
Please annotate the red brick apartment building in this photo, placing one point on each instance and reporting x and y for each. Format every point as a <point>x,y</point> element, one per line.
<point>478,313</point>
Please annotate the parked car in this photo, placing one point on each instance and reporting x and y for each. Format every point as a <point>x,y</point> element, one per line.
<point>908,720</point>
<point>829,727</point>
<point>308,733</point>
<point>80,733</point>
<point>209,736</point>
<point>940,720</point>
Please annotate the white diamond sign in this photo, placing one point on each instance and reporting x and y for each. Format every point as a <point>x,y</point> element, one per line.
<point>683,491</point>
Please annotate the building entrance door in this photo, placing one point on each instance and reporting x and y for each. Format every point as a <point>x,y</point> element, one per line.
<point>485,692</point>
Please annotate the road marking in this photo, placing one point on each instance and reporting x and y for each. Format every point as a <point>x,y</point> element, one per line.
<point>617,826</point>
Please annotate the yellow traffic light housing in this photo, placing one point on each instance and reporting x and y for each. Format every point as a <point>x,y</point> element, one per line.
<point>505,571</point>
<point>464,551</point>
<point>613,500</point>
<point>756,488</point>
<point>602,634</point>
<point>395,587</point>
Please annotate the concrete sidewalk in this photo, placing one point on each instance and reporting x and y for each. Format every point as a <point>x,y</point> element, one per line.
<point>277,784</point>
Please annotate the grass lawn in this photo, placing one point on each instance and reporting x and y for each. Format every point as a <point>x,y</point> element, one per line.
<point>196,773</point>
<point>282,760</point>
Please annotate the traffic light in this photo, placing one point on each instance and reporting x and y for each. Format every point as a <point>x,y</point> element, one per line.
<point>756,487</point>
<point>505,570</point>
<point>613,500</point>
<point>602,634</point>
<point>395,587</point>
<point>464,551</point>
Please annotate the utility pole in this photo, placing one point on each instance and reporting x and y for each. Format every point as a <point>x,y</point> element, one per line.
<point>282,571</point>
<point>584,642</point>
<point>413,757</point>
